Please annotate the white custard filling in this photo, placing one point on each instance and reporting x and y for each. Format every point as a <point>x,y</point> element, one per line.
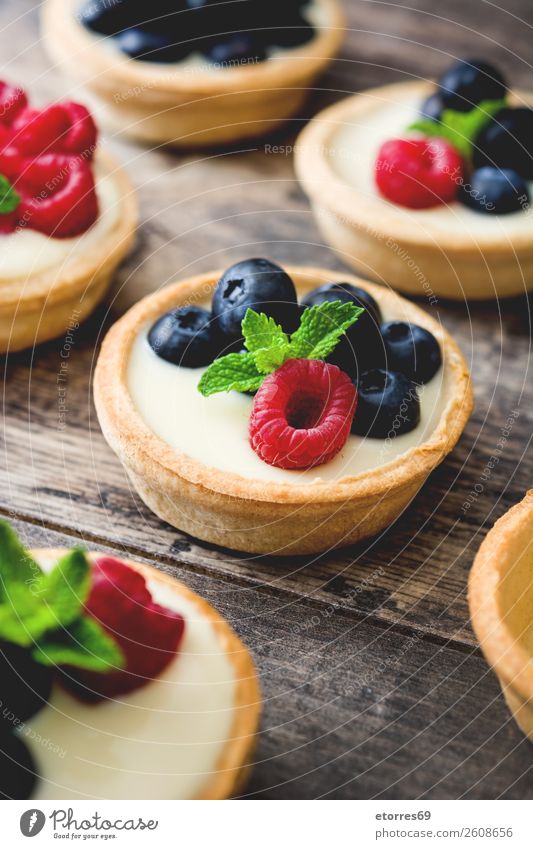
<point>353,152</point>
<point>25,251</point>
<point>214,430</point>
<point>162,741</point>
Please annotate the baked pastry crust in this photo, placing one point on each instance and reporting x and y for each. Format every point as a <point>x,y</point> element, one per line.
<point>375,238</point>
<point>182,107</point>
<point>235,761</point>
<point>500,594</point>
<point>253,515</point>
<point>40,306</point>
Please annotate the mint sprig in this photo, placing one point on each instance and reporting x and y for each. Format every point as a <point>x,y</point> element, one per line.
<point>44,612</point>
<point>9,199</point>
<point>268,346</point>
<point>461,129</point>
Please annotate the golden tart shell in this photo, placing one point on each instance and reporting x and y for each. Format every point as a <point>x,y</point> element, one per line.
<point>38,307</point>
<point>253,515</point>
<point>235,760</point>
<point>500,596</point>
<point>373,237</point>
<point>183,107</point>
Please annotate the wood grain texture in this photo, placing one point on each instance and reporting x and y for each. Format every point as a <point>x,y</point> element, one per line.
<point>433,722</point>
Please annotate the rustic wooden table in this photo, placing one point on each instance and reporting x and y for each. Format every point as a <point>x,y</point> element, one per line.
<point>373,683</point>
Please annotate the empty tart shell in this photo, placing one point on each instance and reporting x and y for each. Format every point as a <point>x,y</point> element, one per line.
<point>184,106</point>
<point>382,240</point>
<point>235,759</point>
<point>500,596</point>
<point>253,515</point>
<point>41,305</point>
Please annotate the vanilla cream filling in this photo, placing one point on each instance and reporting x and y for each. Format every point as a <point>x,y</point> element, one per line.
<point>353,152</point>
<point>214,430</point>
<point>162,741</point>
<point>26,252</point>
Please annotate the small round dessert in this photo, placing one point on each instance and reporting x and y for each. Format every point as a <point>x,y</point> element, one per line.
<point>500,596</point>
<point>451,249</point>
<point>49,285</point>
<point>68,216</point>
<point>187,734</point>
<point>202,99</point>
<point>189,456</point>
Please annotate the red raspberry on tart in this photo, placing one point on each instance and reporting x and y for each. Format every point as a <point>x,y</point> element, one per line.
<point>58,195</point>
<point>46,156</point>
<point>148,634</point>
<point>418,173</point>
<point>302,414</point>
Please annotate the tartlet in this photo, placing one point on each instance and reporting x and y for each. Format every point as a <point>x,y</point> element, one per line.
<point>40,305</point>
<point>169,104</point>
<point>234,759</point>
<point>500,595</point>
<point>256,515</point>
<point>410,249</point>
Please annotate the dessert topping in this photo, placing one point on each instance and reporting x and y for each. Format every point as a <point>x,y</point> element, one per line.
<point>418,173</point>
<point>302,414</point>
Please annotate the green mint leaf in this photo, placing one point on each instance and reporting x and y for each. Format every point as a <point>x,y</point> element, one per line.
<point>461,129</point>
<point>266,340</point>
<point>84,645</point>
<point>16,565</point>
<point>234,371</point>
<point>261,331</point>
<point>269,359</point>
<point>9,199</point>
<point>65,589</point>
<point>20,616</point>
<point>321,328</point>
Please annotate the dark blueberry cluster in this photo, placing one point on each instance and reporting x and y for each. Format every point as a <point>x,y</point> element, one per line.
<point>224,31</point>
<point>502,160</point>
<point>385,360</point>
<point>24,689</point>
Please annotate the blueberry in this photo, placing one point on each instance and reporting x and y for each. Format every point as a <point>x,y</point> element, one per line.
<point>469,82</point>
<point>387,405</point>
<point>104,18</point>
<point>361,347</point>
<point>291,30</point>
<point>185,336</point>
<point>139,43</point>
<point>495,191</point>
<point>432,107</point>
<point>256,284</point>
<point>17,768</point>
<point>24,685</point>
<point>344,292</point>
<point>411,350</point>
<point>507,142</point>
<point>238,47</point>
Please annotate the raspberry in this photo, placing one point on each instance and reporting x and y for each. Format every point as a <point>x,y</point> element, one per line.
<point>148,634</point>
<point>58,195</point>
<point>82,134</point>
<point>60,128</point>
<point>12,101</point>
<point>40,131</point>
<point>302,414</point>
<point>418,173</point>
